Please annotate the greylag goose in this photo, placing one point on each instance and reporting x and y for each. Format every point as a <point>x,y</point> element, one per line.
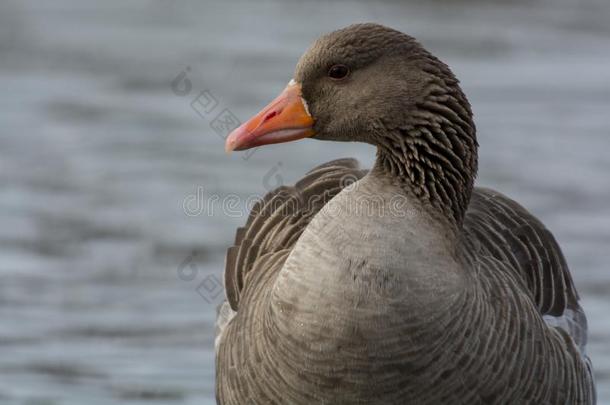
<point>403,284</point>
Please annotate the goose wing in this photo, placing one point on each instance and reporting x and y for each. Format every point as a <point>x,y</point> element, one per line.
<point>273,227</point>
<point>502,228</point>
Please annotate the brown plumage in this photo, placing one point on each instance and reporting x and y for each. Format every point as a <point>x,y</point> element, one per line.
<point>409,286</point>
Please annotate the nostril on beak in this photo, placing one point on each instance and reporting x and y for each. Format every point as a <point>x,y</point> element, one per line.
<point>271,115</point>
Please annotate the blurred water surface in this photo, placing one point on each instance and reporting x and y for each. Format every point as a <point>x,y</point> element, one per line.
<point>109,261</point>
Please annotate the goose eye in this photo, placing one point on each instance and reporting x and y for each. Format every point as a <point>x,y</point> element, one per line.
<point>338,72</point>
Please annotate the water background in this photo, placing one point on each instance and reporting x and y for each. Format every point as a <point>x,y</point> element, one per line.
<point>114,189</point>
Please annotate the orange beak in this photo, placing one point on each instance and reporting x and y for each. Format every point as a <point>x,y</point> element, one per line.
<point>285,119</point>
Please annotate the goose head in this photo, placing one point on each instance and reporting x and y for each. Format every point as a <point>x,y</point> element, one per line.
<point>373,84</point>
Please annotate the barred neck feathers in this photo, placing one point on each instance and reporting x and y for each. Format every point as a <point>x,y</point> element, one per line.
<point>434,151</point>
